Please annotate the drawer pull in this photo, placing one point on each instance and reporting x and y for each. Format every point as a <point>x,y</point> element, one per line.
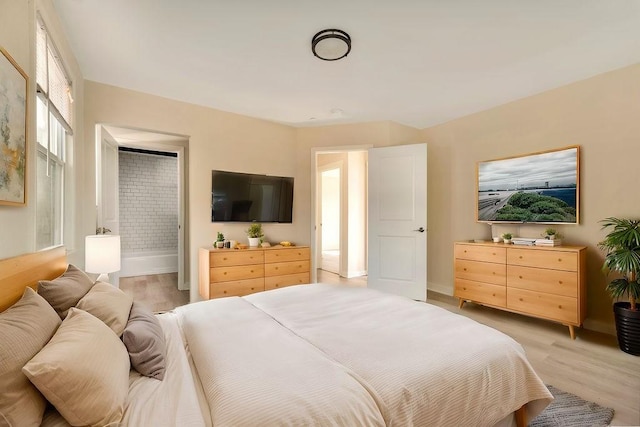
<point>225,292</point>
<point>251,288</point>
<point>520,299</point>
<point>493,253</point>
<point>465,251</point>
<point>519,277</point>
<point>493,295</point>
<point>559,259</point>
<point>464,269</point>
<point>224,259</point>
<point>493,272</point>
<point>252,271</point>
<point>464,289</point>
<point>277,268</point>
<point>560,307</point>
<point>225,273</point>
<point>277,286</point>
<point>560,282</point>
<point>520,257</point>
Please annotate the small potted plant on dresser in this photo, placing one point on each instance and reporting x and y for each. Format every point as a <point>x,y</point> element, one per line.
<point>507,237</point>
<point>254,233</point>
<point>551,234</point>
<point>220,241</point>
<point>622,247</point>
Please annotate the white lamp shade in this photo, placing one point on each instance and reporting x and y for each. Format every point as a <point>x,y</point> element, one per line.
<point>102,253</point>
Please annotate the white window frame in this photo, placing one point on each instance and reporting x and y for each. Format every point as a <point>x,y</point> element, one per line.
<point>56,146</point>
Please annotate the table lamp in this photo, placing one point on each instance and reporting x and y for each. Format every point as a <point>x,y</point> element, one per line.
<point>102,255</point>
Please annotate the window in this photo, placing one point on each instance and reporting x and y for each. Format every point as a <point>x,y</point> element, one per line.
<point>53,120</point>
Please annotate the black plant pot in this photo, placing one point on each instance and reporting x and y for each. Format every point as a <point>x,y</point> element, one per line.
<point>627,327</point>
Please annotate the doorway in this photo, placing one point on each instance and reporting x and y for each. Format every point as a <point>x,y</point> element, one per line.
<point>340,217</point>
<point>141,192</point>
<point>329,208</point>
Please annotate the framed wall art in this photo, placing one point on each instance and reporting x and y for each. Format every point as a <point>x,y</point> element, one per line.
<point>13,132</point>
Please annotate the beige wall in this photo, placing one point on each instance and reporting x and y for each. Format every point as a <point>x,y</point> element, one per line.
<point>601,114</point>
<point>217,140</point>
<point>17,37</point>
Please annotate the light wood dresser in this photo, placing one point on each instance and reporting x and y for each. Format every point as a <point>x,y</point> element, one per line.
<point>239,272</point>
<point>544,282</point>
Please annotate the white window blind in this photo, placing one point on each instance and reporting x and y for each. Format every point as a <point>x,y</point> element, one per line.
<point>51,77</point>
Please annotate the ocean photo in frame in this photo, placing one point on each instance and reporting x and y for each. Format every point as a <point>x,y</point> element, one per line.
<point>13,131</point>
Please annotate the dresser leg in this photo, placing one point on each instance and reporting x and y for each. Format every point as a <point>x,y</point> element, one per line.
<point>572,332</point>
<point>460,303</point>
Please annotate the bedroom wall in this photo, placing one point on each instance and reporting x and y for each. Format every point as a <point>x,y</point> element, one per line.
<point>217,140</point>
<point>17,37</point>
<point>600,114</point>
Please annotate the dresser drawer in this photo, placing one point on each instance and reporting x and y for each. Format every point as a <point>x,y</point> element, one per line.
<point>481,253</point>
<point>555,307</point>
<point>557,260</point>
<point>229,257</point>
<point>236,288</point>
<point>226,274</point>
<point>281,268</point>
<point>486,272</point>
<point>481,292</point>
<point>289,254</point>
<point>555,282</point>
<point>286,280</point>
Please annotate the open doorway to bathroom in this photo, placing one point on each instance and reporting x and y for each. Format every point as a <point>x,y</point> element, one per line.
<point>142,197</point>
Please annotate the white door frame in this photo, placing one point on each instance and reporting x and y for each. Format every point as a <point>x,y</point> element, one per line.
<point>314,194</point>
<point>182,183</point>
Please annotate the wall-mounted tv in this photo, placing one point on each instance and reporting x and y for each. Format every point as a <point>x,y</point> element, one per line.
<point>245,197</point>
<point>533,188</point>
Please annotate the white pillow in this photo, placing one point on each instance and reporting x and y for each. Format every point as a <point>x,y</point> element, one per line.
<point>83,371</point>
<point>109,304</point>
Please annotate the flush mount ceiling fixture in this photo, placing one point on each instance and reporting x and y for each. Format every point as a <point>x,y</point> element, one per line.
<point>331,45</point>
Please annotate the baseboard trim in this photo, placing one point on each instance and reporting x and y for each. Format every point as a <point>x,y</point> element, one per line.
<point>599,326</point>
<point>441,289</point>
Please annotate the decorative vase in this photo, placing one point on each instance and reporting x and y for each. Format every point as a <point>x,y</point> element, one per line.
<point>507,241</point>
<point>254,242</point>
<point>219,245</point>
<point>496,240</point>
<point>627,327</point>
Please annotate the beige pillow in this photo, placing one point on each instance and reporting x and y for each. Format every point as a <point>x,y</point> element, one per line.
<point>108,304</point>
<point>145,342</point>
<point>83,371</point>
<point>65,291</point>
<point>25,328</point>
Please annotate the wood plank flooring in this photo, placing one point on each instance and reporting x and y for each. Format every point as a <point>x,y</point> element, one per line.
<point>159,292</point>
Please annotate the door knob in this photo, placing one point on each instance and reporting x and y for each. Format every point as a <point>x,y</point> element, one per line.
<point>421,229</point>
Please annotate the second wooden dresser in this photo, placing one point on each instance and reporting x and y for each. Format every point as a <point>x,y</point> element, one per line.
<point>544,282</point>
<point>239,272</point>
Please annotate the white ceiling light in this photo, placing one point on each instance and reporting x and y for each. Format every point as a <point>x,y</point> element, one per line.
<point>331,45</point>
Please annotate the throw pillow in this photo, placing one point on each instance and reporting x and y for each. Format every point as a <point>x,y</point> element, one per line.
<point>109,304</point>
<point>145,342</point>
<point>83,371</point>
<point>25,328</point>
<point>65,291</point>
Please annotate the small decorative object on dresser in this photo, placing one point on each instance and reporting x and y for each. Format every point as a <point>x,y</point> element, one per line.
<point>622,247</point>
<point>220,241</point>
<point>254,233</point>
<point>507,237</point>
<point>544,282</point>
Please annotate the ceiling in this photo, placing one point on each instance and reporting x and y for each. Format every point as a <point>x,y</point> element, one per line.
<point>415,62</point>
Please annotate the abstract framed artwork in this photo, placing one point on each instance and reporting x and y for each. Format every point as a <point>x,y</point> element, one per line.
<point>13,132</point>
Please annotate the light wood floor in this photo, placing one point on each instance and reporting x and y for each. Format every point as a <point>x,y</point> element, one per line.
<point>159,292</point>
<point>592,366</point>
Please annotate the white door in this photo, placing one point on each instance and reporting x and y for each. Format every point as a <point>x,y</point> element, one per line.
<point>330,220</point>
<point>107,189</point>
<point>398,220</point>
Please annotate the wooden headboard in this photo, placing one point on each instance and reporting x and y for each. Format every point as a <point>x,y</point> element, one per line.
<point>25,270</point>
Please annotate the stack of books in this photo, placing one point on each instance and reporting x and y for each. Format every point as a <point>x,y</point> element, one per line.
<point>548,242</point>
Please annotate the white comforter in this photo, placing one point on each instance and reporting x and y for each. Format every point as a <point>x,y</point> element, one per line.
<point>327,356</point>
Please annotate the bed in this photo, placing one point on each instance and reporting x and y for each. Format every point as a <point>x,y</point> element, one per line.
<point>316,355</point>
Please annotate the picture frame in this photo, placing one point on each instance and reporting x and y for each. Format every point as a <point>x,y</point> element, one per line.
<point>13,131</point>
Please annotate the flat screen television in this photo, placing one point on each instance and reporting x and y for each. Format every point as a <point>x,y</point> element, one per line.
<point>245,197</point>
<point>533,188</point>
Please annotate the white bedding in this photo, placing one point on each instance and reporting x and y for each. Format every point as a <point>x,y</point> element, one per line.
<point>429,366</point>
<point>327,356</point>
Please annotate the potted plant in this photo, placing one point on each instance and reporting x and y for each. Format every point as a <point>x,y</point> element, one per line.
<point>622,248</point>
<point>220,240</point>
<point>507,237</point>
<point>254,232</point>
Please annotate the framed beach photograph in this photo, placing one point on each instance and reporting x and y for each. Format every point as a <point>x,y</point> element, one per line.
<point>13,131</point>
